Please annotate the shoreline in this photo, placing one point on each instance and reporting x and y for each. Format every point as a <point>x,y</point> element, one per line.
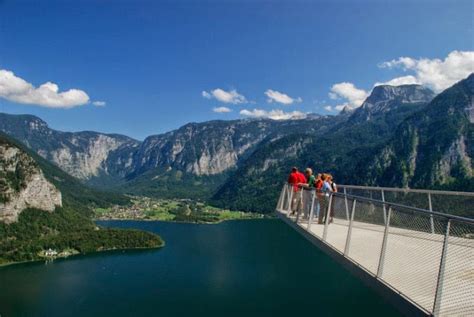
<point>2,265</point>
<point>45,260</point>
<point>269,216</point>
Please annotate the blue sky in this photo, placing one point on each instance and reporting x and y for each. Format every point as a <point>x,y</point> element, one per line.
<point>160,64</point>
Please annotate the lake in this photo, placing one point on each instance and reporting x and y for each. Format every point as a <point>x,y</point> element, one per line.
<point>236,268</point>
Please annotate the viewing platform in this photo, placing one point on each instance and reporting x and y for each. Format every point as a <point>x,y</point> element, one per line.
<point>422,260</point>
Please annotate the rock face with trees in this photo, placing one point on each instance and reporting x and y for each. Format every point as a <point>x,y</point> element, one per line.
<point>23,185</point>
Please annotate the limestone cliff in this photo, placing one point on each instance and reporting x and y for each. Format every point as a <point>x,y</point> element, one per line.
<point>23,185</point>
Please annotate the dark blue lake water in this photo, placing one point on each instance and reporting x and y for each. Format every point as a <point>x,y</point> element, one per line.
<point>237,268</point>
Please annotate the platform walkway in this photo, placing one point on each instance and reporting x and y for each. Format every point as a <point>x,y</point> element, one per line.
<point>425,257</point>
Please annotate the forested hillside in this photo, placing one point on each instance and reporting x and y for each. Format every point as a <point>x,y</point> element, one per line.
<point>66,227</point>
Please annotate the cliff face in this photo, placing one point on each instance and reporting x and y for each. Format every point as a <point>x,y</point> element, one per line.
<point>199,149</point>
<point>23,185</point>
<point>387,98</point>
<point>434,147</point>
<point>202,149</point>
<point>84,155</point>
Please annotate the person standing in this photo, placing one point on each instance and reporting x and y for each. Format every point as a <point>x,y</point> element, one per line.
<point>308,188</point>
<point>294,179</point>
<point>318,185</point>
<point>325,191</point>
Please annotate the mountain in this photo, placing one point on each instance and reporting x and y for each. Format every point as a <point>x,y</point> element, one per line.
<point>386,98</point>
<point>433,147</point>
<point>400,136</point>
<point>42,207</point>
<point>190,161</point>
<point>84,155</point>
<point>342,151</point>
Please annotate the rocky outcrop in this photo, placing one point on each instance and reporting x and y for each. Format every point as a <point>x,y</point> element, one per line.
<point>385,98</point>
<point>23,185</point>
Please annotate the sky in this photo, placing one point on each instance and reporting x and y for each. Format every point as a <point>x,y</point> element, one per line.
<point>146,67</point>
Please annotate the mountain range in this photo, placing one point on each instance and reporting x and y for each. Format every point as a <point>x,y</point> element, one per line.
<point>400,136</point>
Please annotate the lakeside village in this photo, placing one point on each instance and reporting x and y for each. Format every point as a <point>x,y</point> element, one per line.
<point>52,254</point>
<point>179,210</point>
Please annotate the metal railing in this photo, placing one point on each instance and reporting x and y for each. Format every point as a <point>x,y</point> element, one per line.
<point>426,256</point>
<point>449,202</point>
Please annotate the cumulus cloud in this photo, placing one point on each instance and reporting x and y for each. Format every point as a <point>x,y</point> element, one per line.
<point>404,80</point>
<point>221,109</point>
<point>18,90</point>
<point>99,103</point>
<point>328,108</point>
<point>275,114</point>
<point>352,95</point>
<point>436,73</point>
<point>221,95</point>
<point>276,96</point>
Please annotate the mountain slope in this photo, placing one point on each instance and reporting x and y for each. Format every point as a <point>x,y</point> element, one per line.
<point>85,155</point>
<point>40,222</point>
<point>191,161</point>
<point>434,147</point>
<point>255,186</point>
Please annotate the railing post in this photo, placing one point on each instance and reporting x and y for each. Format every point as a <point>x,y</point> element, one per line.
<point>384,244</point>
<point>311,213</point>
<point>442,266</point>
<point>326,222</point>
<point>384,208</point>
<point>345,202</point>
<point>431,216</point>
<point>349,231</point>
<point>281,200</point>
<point>290,200</point>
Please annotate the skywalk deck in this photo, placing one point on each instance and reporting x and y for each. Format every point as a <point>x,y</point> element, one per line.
<point>433,270</point>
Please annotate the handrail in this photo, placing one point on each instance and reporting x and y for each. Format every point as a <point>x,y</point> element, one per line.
<point>409,190</point>
<point>388,204</point>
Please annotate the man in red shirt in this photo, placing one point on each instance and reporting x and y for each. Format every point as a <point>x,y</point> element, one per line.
<point>295,178</point>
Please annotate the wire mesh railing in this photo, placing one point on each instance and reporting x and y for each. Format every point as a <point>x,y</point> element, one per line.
<point>448,202</point>
<point>427,256</point>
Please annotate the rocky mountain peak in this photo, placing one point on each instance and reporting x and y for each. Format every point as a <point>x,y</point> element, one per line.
<point>385,98</point>
<point>404,93</point>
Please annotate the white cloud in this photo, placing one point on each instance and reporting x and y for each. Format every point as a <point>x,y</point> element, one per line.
<point>404,80</point>
<point>276,96</point>
<point>275,114</point>
<point>328,108</point>
<point>436,73</point>
<point>18,90</point>
<point>354,96</point>
<point>99,103</point>
<point>231,96</point>
<point>221,109</point>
